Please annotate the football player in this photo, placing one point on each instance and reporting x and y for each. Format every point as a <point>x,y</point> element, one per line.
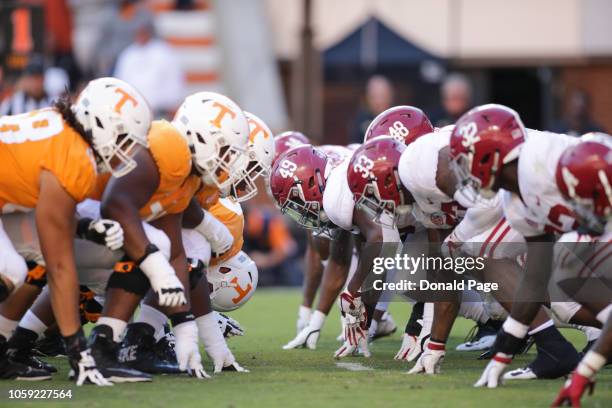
<point>490,150</point>
<point>51,160</point>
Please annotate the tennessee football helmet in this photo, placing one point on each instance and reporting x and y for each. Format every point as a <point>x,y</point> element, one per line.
<point>404,123</point>
<point>583,176</point>
<point>297,182</point>
<point>288,140</point>
<point>217,132</point>
<point>374,180</point>
<point>118,117</point>
<point>232,283</point>
<point>483,140</point>
<point>257,161</point>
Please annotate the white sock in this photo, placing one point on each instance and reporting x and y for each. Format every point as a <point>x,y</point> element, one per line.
<point>7,327</point>
<point>153,317</point>
<point>31,322</point>
<point>304,313</point>
<point>541,327</point>
<point>382,306</point>
<point>317,320</point>
<point>604,314</point>
<point>117,325</point>
<point>428,311</point>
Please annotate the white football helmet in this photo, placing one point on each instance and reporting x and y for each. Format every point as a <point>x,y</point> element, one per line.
<point>118,117</point>
<point>217,132</point>
<point>257,161</point>
<point>232,282</point>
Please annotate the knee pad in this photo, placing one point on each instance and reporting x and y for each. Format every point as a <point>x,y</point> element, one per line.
<point>196,270</point>
<point>37,275</point>
<point>564,311</point>
<point>130,278</point>
<point>14,269</point>
<point>90,309</point>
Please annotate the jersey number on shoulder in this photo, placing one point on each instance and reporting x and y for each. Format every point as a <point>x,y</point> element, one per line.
<point>287,168</point>
<point>363,166</point>
<point>33,126</point>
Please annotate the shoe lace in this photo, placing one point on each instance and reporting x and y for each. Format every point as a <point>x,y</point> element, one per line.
<point>472,334</point>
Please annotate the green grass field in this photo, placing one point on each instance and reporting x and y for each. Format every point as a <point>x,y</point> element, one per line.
<point>303,378</point>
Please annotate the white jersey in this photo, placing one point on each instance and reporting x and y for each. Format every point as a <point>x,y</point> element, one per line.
<point>417,168</point>
<point>542,208</point>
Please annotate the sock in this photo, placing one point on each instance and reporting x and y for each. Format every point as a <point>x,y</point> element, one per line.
<point>428,311</point>
<point>474,311</point>
<point>317,320</point>
<point>7,327</point>
<point>31,322</point>
<point>414,325</point>
<point>154,318</point>
<point>542,327</point>
<point>118,326</point>
<point>604,314</point>
<point>382,306</point>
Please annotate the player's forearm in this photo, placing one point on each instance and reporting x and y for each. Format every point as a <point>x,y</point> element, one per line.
<point>312,275</point>
<point>120,209</point>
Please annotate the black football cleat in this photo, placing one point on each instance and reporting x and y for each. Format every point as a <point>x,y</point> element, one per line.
<point>50,346</point>
<point>140,351</point>
<point>104,351</point>
<point>19,349</point>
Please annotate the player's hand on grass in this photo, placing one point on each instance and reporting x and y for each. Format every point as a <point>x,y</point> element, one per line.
<point>573,390</point>
<point>104,232</point>
<point>355,337</point>
<point>187,349</point>
<point>493,371</point>
<point>431,359</point>
<point>87,372</point>
<point>308,338</point>
<point>409,343</point>
<point>229,327</point>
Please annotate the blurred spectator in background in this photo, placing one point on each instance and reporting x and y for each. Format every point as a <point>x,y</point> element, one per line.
<point>378,98</point>
<point>119,31</point>
<point>456,92</point>
<point>268,242</point>
<point>58,37</point>
<point>577,120</point>
<point>29,93</point>
<point>150,65</point>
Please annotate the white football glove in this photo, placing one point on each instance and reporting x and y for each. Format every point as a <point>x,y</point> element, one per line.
<point>431,359</point>
<point>163,279</point>
<point>216,233</point>
<point>215,345</point>
<point>101,231</point>
<point>89,372</point>
<point>409,343</point>
<point>308,338</point>
<point>187,350</point>
<point>493,371</point>
<point>356,338</point>
<point>228,326</point>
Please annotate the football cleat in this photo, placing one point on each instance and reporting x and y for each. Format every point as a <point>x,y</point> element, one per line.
<point>140,351</point>
<point>50,346</point>
<point>386,327</point>
<point>524,373</point>
<point>19,350</point>
<point>483,336</point>
<point>12,370</point>
<point>104,351</point>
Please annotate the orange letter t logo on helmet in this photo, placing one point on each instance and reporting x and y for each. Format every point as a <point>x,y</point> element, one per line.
<point>124,98</point>
<point>242,292</point>
<point>255,130</point>
<point>223,110</point>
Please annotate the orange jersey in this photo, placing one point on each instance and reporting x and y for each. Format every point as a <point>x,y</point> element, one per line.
<point>36,141</point>
<point>230,214</point>
<point>207,196</point>
<point>176,183</point>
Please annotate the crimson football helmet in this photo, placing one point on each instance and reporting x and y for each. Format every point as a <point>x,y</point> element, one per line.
<point>374,180</point>
<point>583,176</point>
<point>297,182</point>
<point>483,140</point>
<point>404,123</point>
<point>288,140</point>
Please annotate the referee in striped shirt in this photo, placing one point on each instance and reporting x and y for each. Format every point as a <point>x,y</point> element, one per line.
<point>29,92</point>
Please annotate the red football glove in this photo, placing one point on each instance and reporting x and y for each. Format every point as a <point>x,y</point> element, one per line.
<point>572,391</point>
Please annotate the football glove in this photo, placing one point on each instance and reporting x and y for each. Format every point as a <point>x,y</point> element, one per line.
<point>352,305</point>
<point>494,370</point>
<point>355,335</point>
<point>187,350</point>
<point>229,327</point>
<point>573,389</point>
<point>431,359</point>
<point>82,362</point>
<point>215,345</point>
<point>409,343</point>
<point>163,279</point>
<point>216,233</point>
<point>104,232</point>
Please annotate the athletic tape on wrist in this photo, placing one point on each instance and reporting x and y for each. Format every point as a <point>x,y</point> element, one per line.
<point>181,317</point>
<point>515,328</point>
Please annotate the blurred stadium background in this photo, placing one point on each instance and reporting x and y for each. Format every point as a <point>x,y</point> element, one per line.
<point>324,67</point>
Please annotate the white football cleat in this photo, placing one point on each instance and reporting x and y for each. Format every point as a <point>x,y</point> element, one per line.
<point>524,373</point>
<point>483,343</point>
<point>386,327</point>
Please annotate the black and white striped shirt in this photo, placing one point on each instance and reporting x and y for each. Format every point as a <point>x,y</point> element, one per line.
<point>19,102</point>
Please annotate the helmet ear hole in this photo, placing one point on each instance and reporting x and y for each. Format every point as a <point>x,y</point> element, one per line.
<point>99,123</point>
<point>225,269</point>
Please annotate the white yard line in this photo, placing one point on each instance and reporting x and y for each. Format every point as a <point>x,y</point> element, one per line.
<point>354,367</point>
